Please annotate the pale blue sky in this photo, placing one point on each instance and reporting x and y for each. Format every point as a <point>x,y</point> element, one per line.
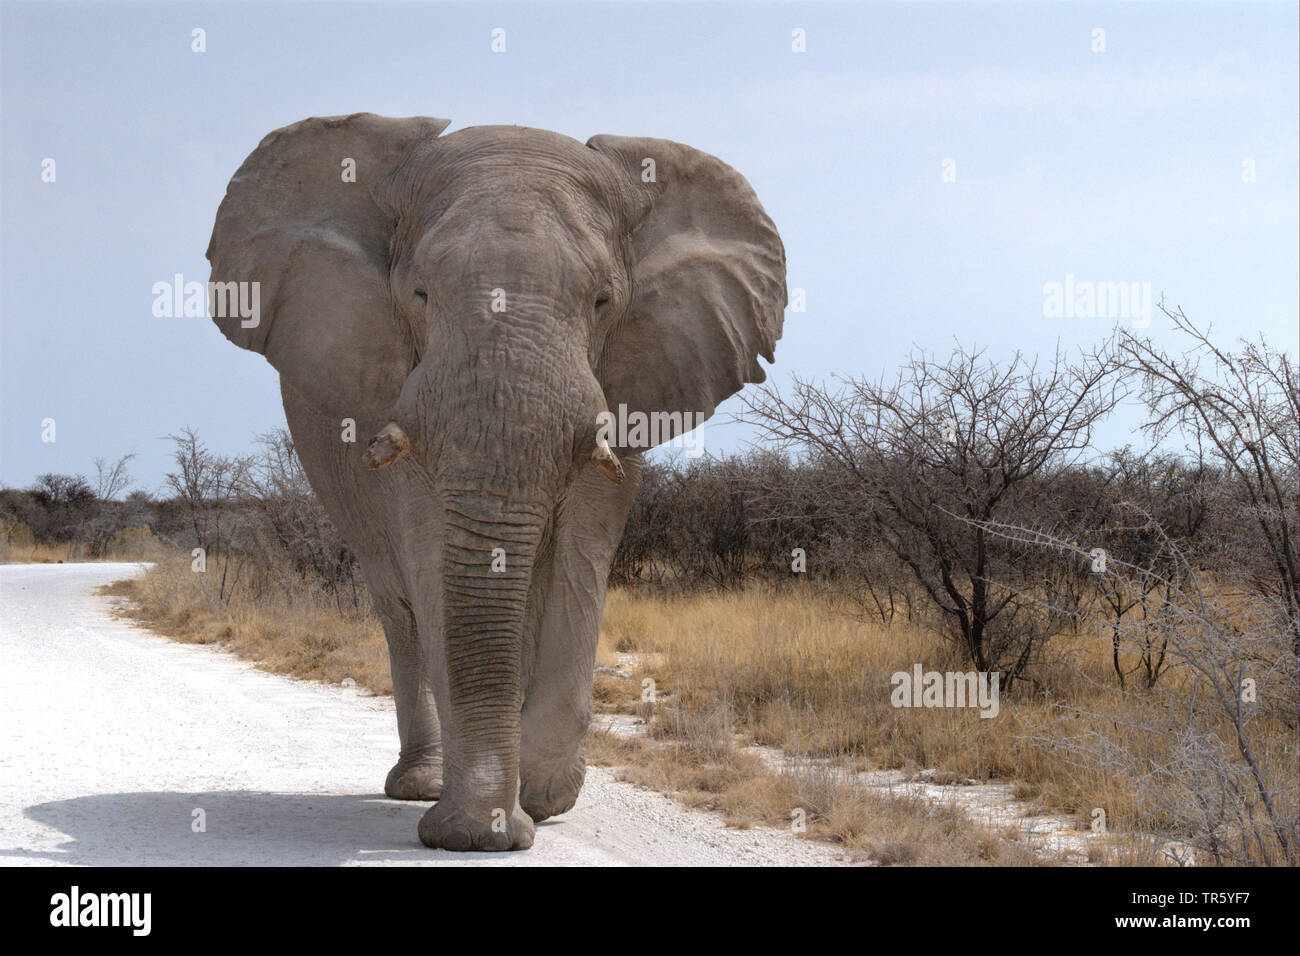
<point>1116,166</point>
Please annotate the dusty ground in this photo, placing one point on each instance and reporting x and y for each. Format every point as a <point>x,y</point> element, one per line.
<point>113,738</point>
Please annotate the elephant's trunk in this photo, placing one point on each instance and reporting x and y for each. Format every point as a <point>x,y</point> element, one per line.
<point>500,429</point>
<point>490,546</point>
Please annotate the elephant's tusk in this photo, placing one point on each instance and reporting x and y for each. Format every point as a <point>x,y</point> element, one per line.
<point>607,461</point>
<point>385,448</point>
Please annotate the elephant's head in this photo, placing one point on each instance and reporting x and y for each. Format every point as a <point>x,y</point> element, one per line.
<point>498,288</point>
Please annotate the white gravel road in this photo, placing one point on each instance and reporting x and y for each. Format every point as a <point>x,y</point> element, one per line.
<point>113,739</point>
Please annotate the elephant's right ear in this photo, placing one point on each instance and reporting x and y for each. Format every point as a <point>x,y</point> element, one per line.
<point>304,227</point>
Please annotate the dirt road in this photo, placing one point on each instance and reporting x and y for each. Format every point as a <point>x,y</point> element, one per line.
<point>120,747</point>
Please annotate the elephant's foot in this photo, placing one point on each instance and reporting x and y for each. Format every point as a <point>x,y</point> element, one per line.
<point>547,790</point>
<point>449,826</point>
<point>415,780</point>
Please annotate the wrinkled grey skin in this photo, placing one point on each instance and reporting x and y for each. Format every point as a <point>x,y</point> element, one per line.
<point>657,292</point>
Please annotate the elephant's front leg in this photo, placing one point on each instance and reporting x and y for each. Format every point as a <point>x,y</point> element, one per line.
<point>557,700</point>
<point>417,775</point>
<point>557,712</point>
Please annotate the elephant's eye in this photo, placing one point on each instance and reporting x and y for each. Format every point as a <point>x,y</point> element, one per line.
<point>422,293</point>
<point>602,300</point>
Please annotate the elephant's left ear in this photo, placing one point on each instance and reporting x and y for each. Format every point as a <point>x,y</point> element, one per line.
<point>708,282</point>
<point>306,228</point>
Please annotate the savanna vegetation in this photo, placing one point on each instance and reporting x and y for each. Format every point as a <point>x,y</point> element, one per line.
<point>1139,607</point>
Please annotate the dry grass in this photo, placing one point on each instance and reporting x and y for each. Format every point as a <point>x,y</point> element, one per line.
<point>19,546</point>
<point>710,772</point>
<point>802,674</point>
<point>285,626</point>
<point>793,672</point>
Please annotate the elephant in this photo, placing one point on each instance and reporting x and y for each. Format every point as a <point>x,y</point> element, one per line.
<point>483,303</point>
